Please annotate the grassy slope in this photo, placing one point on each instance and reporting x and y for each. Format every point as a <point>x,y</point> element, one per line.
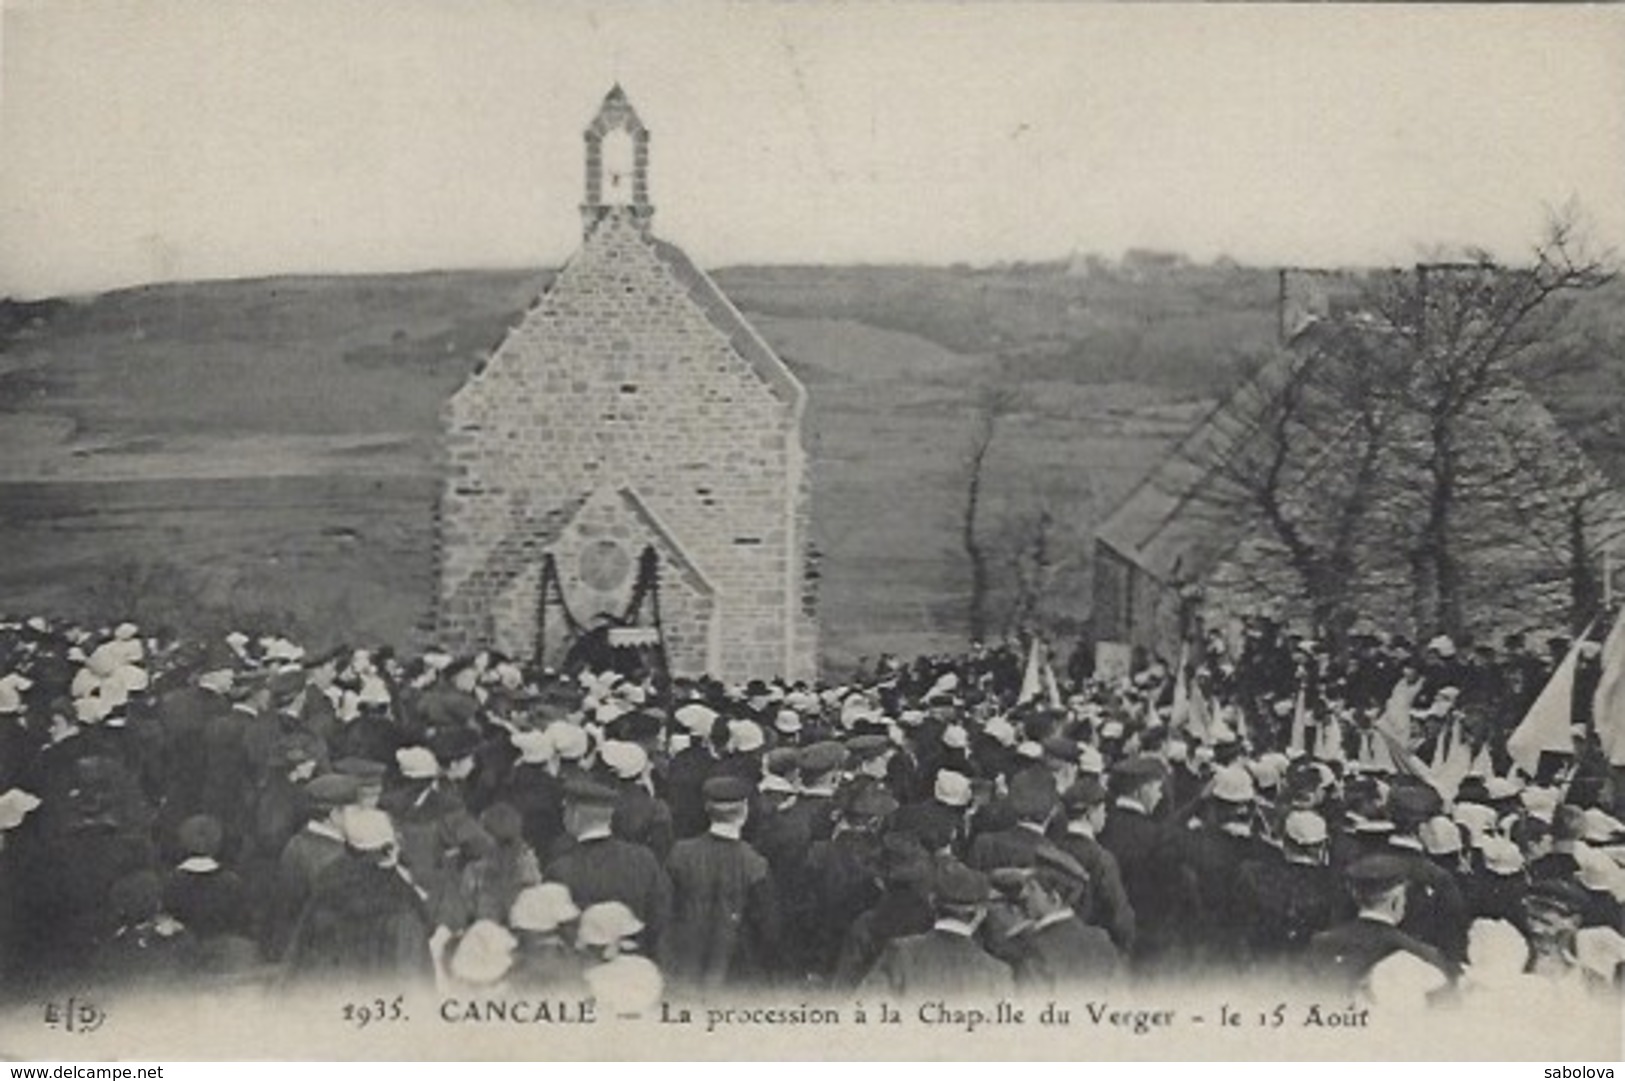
<point>1112,369</point>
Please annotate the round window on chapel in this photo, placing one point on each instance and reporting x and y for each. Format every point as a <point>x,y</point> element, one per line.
<point>604,566</point>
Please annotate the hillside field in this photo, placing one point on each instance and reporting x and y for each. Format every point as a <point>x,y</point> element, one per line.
<point>264,451</point>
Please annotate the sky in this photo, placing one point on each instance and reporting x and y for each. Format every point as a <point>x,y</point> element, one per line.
<point>160,140</point>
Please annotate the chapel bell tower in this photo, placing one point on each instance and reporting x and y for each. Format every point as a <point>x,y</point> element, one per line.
<point>617,163</point>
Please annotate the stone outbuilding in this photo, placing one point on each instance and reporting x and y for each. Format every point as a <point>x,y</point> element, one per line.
<point>1540,515</point>
<point>630,456</point>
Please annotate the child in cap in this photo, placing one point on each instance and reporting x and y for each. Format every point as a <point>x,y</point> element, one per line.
<point>208,898</point>
<point>492,881</point>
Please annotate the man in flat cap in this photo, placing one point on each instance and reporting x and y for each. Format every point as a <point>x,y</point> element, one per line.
<point>319,699</point>
<point>1061,758</point>
<point>906,872</point>
<point>774,827</point>
<point>597,866</point>
<point>869,755</point>
<point>369,776</point>
<point>1343,956</point>
<point>906,774</point>
<point>276,729</point>
<point>946,960</point>
<point>185,712</point>
<point>1056,949</point>
<point>1435,912</point>
<point>1159,884</point>
<point>820,767</point>
<point>318,845</point>
<point>1084,807</point>
<point>228,769</point>
<point>1366,826</point>
<point>842,875</point>
<point>209,899</point>
<point>725,925</point>
<point>1032,801</point>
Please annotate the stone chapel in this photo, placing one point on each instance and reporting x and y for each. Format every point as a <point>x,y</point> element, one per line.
<point>629,457</point>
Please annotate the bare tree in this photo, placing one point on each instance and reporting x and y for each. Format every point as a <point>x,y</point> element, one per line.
<point>1032,565</point>
<point>1354,449</point>
<point>1562,512</point>
<point>995,401</point>
<point>1467,328</point>
<point>1302,448</point>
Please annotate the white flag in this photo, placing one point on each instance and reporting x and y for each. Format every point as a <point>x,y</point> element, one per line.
<point>1452,760</point>
<point>1180,715</point>
<point>1052,689</point>
<point>1329,741</point>
<point>1608,705</point>
<point>1198,721</point>
<point>1297,744</point>
<point>1031,680</point>
<point>1546,726</point>
<point>1396,718</point>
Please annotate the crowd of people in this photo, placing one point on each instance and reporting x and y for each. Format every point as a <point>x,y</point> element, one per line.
<point>186,813</point>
